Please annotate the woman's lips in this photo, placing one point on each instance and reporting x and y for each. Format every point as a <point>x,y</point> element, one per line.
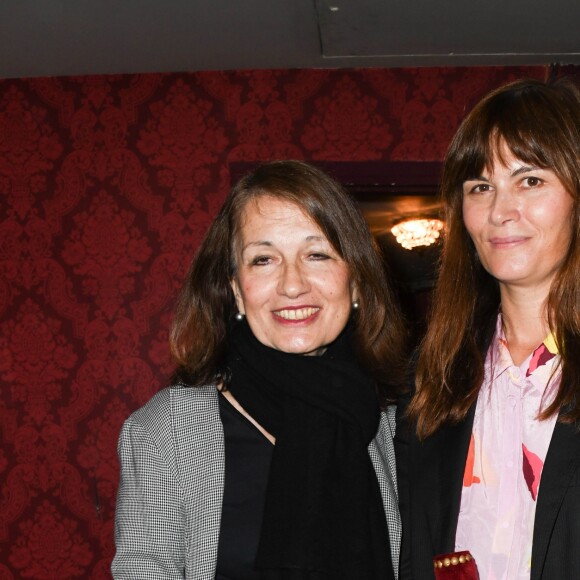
<point>297,314</point>
<point>507,241</point>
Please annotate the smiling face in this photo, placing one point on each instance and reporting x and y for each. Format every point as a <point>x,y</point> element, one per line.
<point>519,218</point>
<point>291,284</point>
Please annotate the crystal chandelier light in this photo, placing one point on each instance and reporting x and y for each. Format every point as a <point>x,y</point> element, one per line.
<point>417,232</point>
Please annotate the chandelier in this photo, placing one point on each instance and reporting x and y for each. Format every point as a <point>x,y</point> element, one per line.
<point>417,232</point>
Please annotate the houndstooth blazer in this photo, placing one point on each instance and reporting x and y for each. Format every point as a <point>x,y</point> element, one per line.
<point>172,460</point>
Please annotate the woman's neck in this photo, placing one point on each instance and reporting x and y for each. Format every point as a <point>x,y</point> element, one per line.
<point>525,320</point>
<point>233,401</point>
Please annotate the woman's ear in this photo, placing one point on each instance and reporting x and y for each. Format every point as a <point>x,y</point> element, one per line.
<point>237,296</point>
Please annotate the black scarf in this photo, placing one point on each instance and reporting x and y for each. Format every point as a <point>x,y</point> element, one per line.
<point>323,516</point>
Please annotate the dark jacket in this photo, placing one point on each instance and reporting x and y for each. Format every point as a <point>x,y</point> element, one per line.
<point>430,476</point>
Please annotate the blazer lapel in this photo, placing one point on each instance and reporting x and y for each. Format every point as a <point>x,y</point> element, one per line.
<point>562,461</point>
<point>382,454</point>
<point>438,472</point>
<point>200,451</point>
<point>457,446</point>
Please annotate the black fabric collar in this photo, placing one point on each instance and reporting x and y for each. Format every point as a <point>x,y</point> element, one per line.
<point>323,515</point>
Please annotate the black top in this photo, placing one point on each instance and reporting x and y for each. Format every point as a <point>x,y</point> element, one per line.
<point>248,455</point>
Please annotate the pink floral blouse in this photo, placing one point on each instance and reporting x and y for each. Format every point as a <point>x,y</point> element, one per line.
<point>506,455</point>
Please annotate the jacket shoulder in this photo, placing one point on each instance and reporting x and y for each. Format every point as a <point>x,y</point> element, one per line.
<point>159,412</point>
<point>175,414</point>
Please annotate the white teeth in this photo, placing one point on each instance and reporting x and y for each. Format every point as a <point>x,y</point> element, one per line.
<point>300,314</point>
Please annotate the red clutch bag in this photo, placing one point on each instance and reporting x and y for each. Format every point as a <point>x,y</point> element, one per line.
<point>455,566</point>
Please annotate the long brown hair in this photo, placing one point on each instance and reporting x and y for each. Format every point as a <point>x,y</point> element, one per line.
<point>540,124</point>
<point>206,306</point>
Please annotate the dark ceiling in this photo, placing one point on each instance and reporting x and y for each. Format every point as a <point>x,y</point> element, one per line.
<point>70,37</point>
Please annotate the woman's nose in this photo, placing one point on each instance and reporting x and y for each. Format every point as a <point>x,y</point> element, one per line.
<point>504,207</point>
<point>293,281</point>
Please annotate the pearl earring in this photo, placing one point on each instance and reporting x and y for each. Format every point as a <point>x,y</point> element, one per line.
<point>239,317</point>
<point>355,305</point>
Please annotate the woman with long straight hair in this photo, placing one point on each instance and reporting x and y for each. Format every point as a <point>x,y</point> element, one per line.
<point>490,447</point>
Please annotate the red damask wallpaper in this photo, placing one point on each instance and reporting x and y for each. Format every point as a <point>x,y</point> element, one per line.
<point>107,185</point>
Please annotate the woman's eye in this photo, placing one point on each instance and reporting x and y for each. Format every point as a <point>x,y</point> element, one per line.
<point>480,188</point>
<point>319,256</point>
<point>261,260</point>
<point>470,188</point>
<point>532,181</point>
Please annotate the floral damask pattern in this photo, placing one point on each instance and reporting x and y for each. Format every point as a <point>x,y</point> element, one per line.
<point>97,454</point>
<point>29,146</point>
<point>107,187</point>
<point>183,138</point>
<point>49,547</point>
<point>37,359</point>
<point>347,125</point>
<point>106,249</point>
